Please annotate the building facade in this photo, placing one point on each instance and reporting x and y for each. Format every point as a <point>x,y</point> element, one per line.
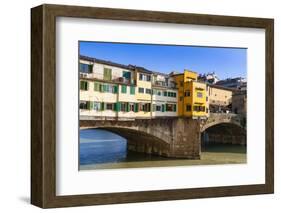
<point>110,90</point>
<point>164,96</point>
<point>107,90</point>
<point>239,102</point>
<point>219,98</point>
<point>192,100</point>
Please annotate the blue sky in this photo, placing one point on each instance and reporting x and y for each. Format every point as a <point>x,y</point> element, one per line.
<point>225,62</point>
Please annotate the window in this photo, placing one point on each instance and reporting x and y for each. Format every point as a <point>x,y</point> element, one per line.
<point>199,94</point>
<point>123,107</point>
<point>187,93</point>
<point>97,106</point>
<point>132,107</point>
<point>148,91</point>
<point>181,83</point>
<point>111,88</point>
<point>126,74</point>
<point>84,85</point>
<point>196,108</point>
<point>104,88</point>
<point>141,90</point>
<point>158,108</point>
<point>85,68</point>
<point>199,108</point>
<point>107,74</point>
<point>145,107</point>
<point>86,105</point>
<point>132,90</point>
<point>169,107</point>
<point>83,105</point>
<point>165,93</point>
<point>159,93</point>
<point>124,89</point>
<point>143,77</point>
<point>188,108</point>
<point>109,106</point>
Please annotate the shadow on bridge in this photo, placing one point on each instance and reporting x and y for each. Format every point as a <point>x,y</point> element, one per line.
<point>142,142</point>
<point>230,133</point>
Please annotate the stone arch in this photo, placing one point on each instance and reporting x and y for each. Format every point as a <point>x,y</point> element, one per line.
<point>139,141</point>
<point>224,132</point>
<point>220,121</point>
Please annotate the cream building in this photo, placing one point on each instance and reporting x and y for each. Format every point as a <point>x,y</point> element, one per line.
<point>219,98</point>
<point>164,96</point>
<point>107,89</point>
<point>143,92</point>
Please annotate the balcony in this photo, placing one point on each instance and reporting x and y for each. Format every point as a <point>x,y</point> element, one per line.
<point>124,80</point>
<point>163,84</point>
<point>109,78</point>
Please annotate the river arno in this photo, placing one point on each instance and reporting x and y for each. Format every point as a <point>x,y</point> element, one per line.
<point>101,149</point>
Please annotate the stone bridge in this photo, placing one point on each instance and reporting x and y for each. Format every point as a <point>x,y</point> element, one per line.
<point>170,136</point>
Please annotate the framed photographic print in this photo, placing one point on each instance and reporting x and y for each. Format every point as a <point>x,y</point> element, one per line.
<point>137,106</point>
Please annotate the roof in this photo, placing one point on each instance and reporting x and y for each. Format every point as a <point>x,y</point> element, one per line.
<point>110,63</point>
<point>221,87</point>
<point>140,69</point>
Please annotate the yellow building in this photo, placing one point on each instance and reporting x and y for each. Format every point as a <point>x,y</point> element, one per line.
<point>192,100</point>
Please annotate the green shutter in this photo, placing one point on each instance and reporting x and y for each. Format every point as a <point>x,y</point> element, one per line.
<point>104,88</point>
<point>175,107</point>
<point>118,106</point>
<point>163,107</point>
<point>91,104</point>
<point>107,74</point>
<point>115,90</point>
<point>136,107</point>
<point>124,89</point>
<point>88,104</point>
<point>81,84</point>
<point>102,105</point>
<point>127,107</point>
<point>101,88</point>
<point>165,93</point>
<point>115,106</point>
<point>90,68</point>
<point>96,86</point>
<point>132,90</point>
